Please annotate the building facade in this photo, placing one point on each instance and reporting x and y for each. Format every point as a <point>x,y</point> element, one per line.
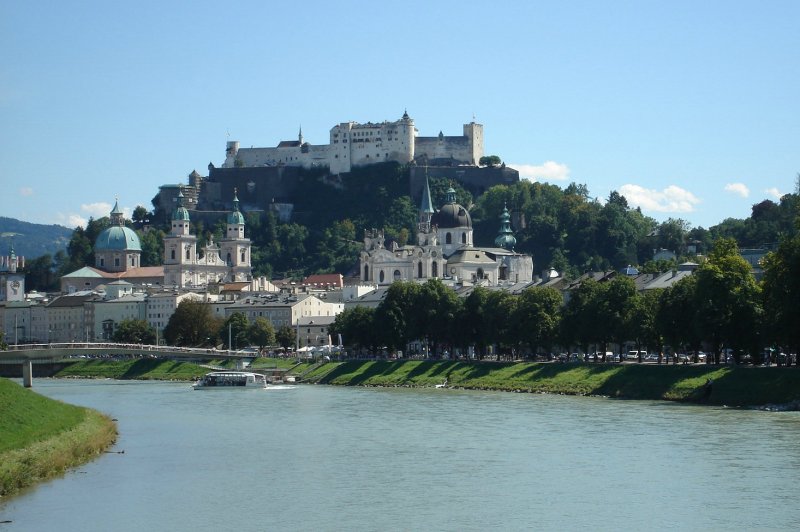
<point>228,261</point>
<point>354,144</point>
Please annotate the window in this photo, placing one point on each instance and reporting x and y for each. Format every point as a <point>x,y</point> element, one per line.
<point>463,238</point>
<point>172,254</point>
<point>435,269</point>
<point>116,261</point>
<point>419,270</point>
<point>187,253</point>
<point>380,277</point>
<point>448,239</point>
<point>366,272</point>
<point>397,275</point>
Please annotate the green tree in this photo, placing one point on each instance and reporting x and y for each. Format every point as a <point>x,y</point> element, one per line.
<point>286,336</point>
<point>643,331</point>
<point>728,300</point>
<point>41,274</point>
<point>356,326</point>
<point>235,330</point>
<point>490,160</point>
<point>396,314</point>
<point>134,331</point>
<point>152,247</point>
<point>782,294</point>
<point>537,317</point>
<point>261,333</point>
<point>192,324</point>
<point>676,317</point>
<point>617,306</point>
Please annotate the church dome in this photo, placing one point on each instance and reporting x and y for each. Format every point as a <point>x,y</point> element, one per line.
<point>118,238</point>
<point>451,214</point>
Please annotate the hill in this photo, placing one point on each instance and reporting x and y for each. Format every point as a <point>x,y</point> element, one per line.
<point>32,240</point>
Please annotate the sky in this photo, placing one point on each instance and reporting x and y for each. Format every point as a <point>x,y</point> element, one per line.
<point>689,109</point>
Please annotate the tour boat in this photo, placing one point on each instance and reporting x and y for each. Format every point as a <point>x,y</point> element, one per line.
<point>230,379</point>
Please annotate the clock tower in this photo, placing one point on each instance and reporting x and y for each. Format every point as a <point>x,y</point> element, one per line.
<point>12,284</point>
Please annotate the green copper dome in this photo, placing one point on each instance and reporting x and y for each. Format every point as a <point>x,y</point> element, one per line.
<point>235,217</point>
<point>505,238</point>
<point>180,213</point>
<point>118,238</point>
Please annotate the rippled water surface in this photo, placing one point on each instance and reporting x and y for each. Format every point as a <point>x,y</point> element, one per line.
<point>330,458</point>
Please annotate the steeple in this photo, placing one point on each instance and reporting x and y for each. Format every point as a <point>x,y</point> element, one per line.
<point>505,237</point>
<point>450,195</point>
<point>117,217</point>
<point>300,135</point>
<point>235,217</point>
<point>425,208</point>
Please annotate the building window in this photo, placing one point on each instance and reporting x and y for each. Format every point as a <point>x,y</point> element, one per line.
<point>366,272</point>
<point>448,239</point>
<point>172,254</point>
<point>419,270</point>
<point>380,277</point>
<point>435,269</point>
<point>397,275</point>
<point>463,238</point>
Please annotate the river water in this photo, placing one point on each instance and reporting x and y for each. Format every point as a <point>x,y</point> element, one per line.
<point>335,458</point>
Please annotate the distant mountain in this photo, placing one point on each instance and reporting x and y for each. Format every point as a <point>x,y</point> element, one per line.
<point>32,240</point>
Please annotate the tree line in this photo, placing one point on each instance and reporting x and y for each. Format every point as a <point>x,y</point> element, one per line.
<point>721,306</point>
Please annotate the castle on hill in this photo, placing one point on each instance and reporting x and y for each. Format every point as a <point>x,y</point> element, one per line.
<point>353,144</point>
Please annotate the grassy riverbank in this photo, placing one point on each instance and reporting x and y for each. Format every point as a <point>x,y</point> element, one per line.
<point>733,386</point>
<point>134,369</point>
<point>41,438</point>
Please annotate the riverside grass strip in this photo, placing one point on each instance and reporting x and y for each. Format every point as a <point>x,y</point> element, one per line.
<point>45,446</point>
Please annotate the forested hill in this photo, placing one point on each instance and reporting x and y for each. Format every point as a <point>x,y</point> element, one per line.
<point>563,228</point>
<point>32,240</point>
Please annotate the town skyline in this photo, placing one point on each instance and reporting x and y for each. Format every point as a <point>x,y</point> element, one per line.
<point>689,111</point>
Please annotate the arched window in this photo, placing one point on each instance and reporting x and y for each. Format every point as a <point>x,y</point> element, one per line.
<point>397,275</point>
<point>172,254</point>
<point>463,238</point>
<point>242,260</point>
<point>187,253</point>
<point>228,260</point>
<point>380,277</point>
<point>435,270</point>
<point>480,273</point>
<point>366,272</point>
<point>419,270</point>
<point>448,238</point>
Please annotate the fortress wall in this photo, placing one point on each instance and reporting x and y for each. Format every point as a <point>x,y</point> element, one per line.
<point>458,148</point>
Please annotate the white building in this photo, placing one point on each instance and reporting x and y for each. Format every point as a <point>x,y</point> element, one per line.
<point>227,262</point>
<point>283,310</point>
<point>445,250</point>
<point>353,144</point>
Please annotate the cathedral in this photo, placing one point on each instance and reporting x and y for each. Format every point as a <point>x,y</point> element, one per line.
<point>445,250</point>
<point>118,253</point>
<point>228,261</point>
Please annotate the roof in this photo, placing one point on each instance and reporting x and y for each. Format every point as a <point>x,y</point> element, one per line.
<point>117,237</point>
<point>469,255</point>
<point>73,300</point>
<point>325,279</point>
<point>316,321</point>
<point>289,144</point>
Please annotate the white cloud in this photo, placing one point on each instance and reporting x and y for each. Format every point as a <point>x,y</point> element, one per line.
<point>70,220</point>
<point>774,192</point>
<point>547,171</point>
<point>671,199</point>
<point>96,210</point>
<point>26,191</point>
<point>740,189</point>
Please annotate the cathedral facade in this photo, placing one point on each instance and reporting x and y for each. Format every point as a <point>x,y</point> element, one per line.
<point>227,261</point>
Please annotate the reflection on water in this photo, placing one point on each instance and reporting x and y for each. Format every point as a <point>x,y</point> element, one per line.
<point>328,458</point>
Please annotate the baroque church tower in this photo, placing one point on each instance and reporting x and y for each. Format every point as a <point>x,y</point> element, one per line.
<point>227,262</point>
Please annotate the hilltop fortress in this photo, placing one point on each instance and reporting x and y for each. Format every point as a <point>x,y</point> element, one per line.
<point>353,144</point>
<point>270,178</point>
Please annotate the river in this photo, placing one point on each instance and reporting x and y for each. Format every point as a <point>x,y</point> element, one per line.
<point>336,458</point>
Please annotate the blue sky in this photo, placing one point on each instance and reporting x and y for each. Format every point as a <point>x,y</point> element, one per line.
<point>690,109</point>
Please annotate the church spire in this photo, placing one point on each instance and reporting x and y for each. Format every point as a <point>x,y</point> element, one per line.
<point>425,208</point>
<point>505,237</point>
